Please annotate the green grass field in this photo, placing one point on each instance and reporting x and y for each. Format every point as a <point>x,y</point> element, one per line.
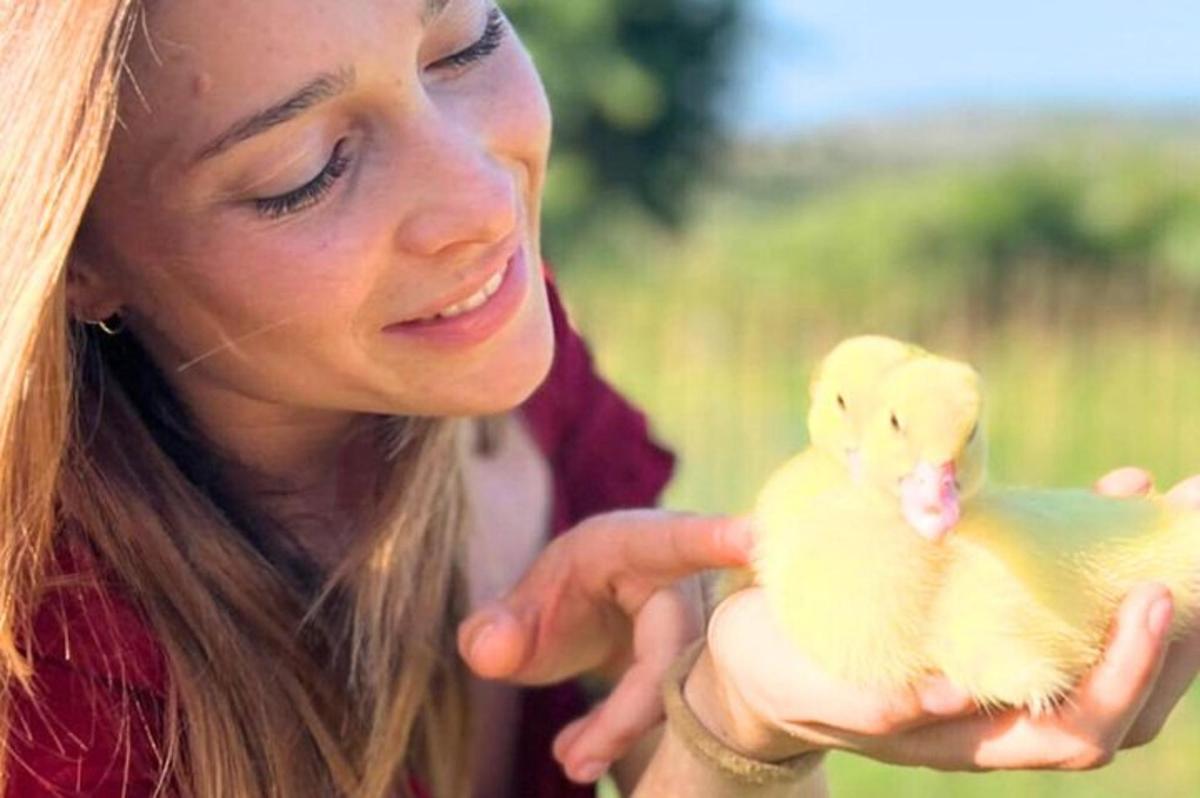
<point>714,333</point>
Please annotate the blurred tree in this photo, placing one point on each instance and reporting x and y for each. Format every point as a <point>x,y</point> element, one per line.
<point>634,86</point>
<point>1043,222</point>
<point>1129,215</point>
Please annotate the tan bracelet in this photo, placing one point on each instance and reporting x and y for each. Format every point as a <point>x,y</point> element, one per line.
<point>706,747</point>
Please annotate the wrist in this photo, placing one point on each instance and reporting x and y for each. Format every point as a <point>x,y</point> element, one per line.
<point>722,710</point>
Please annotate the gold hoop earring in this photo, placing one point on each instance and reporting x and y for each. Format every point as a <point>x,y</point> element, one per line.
<point>108,328</point>
<point>104,325</point>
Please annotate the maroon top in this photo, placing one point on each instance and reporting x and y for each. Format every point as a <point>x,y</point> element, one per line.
<point>101,676</point>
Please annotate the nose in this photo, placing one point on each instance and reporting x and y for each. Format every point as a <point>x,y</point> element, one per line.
<point>458,192</point>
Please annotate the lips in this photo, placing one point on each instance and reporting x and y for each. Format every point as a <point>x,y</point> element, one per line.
<point>476,324</point>
<point>474,300</point>
<point>491,272</point>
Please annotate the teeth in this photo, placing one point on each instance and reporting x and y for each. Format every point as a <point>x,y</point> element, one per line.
<point>475,300</point>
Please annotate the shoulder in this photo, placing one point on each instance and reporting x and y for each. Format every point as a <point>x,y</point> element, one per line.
<point>600,445</point>
<point>91,720</point>
<point>86,621</point>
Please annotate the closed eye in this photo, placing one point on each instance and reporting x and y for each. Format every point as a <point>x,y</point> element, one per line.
<point>493,36</point>
<point>311,193</point>
<point>314,191</point>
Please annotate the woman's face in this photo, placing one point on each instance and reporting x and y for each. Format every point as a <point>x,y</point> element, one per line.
<point>295,184</point>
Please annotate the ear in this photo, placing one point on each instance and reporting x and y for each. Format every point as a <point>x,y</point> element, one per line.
<point>90,291</point>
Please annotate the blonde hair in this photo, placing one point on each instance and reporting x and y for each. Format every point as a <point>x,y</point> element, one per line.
<point>287,682</point>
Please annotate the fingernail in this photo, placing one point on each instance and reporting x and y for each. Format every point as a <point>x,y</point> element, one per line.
<point>1159,616</point>
<point>480,627</point>
<point>590,771</point>
<point>478,644</point>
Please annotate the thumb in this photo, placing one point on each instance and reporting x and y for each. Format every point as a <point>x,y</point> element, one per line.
<point>1125,483</point>
<point>495,643</point>
<point>570,611</point>
<point>1128,481</point>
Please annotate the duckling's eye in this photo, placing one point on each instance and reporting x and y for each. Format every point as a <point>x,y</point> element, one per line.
<point>841,402</point>
<point>895,423</point>
<point>974,432</point>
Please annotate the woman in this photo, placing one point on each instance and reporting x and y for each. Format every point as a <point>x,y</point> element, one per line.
<point>259,257</point>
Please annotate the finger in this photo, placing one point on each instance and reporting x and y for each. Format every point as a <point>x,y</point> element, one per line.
<point>562,617</point>
<point>805,694</point>
<point>1008,739</point>
<point>1178,673</point>
<point>494,643</point>
<point>567,737</point>
<point>628,555</point>
<point>1127,481</point>
<point>614,727</point>
<point>1083,734</point>
<point>863,717</point>
<point>977,742</point>
<point>1186,494</point>
<point>665,547</point>
<point>666,623</point>
<point>941,698</point>
<point>661,631</point>
<point>1117,688</point>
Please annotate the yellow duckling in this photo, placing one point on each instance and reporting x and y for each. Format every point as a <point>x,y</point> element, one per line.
<point>841,399</point>
<point>1032,578</point>
<point>916,566</point>
<point>819,545</point>
<point>841,395</point>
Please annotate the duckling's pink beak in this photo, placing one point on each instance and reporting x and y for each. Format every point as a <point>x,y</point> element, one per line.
<point>929,500</point>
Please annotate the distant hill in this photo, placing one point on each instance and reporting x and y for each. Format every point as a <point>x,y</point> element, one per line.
<point>899,143</point>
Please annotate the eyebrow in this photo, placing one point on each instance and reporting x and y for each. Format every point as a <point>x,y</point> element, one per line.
<point>432,9</point>
<point>324,87</point>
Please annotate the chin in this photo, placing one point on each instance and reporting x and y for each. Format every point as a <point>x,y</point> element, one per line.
<point>508,378</point>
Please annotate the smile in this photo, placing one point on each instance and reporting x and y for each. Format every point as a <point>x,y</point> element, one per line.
<point>477,318</point>
<point>475,300</point>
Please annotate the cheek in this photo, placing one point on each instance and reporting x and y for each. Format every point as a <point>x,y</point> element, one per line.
<point>278,303</point>
<point>308,279</point>
<point>510,109</point>
<point>534,121</point>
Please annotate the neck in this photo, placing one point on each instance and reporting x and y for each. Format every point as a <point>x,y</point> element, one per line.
<point>312,473</point>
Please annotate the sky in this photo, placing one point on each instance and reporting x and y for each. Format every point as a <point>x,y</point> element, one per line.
<point>816,62</point>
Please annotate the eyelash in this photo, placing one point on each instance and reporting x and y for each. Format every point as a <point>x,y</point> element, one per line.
<point>310,193</point>
<point>493,35</point>
<point>315,190</point>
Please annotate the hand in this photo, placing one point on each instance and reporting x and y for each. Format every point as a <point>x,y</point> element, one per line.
<point>763,696</point>
<point>1183,656</point>
<point>761,693</point>
<point>606,598</point>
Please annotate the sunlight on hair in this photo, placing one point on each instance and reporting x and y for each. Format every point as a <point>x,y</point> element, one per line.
<point>231,344</point>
